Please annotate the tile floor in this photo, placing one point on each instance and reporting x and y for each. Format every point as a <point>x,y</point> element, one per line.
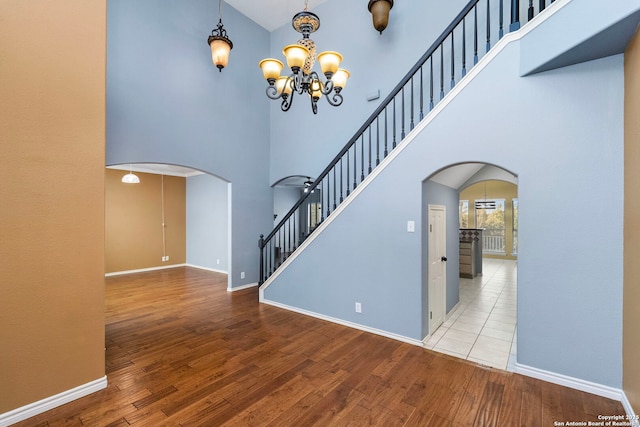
<point>482,327</point>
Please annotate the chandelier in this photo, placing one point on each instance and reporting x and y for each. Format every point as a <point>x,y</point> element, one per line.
<point>300,58</point>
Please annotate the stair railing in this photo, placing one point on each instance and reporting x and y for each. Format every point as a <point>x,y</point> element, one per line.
<point>406,105</point>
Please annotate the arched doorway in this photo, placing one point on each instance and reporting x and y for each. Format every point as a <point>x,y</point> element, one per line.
<point>480,289</point>
<point>175,216</point>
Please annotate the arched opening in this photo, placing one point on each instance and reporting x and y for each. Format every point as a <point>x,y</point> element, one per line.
<point>471,312</point>
<point>175,216</point>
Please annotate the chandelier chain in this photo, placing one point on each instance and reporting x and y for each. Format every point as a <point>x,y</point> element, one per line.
<point>306,5</point>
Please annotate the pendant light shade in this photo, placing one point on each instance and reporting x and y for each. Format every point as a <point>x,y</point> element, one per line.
<point>380,12</point>
<point>220,49</point>
<point>219,43</point>
<point>130,178</point>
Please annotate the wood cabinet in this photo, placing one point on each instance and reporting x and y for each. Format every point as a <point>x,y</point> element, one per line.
<point>470,252</point>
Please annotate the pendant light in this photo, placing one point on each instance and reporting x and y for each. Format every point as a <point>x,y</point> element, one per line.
<point>219,43</point>
<point>380,13</point>
<point>130,178</point>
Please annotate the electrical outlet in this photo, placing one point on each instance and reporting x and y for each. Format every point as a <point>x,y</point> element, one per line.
<point>218,261</point>
<point>242,275</point>
<point>166,258</point>
<point>358,307</point>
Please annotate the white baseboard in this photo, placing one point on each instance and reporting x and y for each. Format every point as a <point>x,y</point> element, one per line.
<point>345,323</point>
<point>142,270</point>
<point>578,384</point>
<point>635,422</point>
<point>239,288</point>
<point>199,267</point>
<point>51,402</point>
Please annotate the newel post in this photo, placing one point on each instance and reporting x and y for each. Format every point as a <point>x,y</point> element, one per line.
<point>261,246</point>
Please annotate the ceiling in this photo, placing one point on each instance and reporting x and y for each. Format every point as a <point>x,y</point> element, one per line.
<point>271,14</point>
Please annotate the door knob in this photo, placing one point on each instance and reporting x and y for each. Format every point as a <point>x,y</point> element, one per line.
<point>444,258</point>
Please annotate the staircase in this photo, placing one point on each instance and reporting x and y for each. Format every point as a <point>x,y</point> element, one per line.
<point>460,46</point>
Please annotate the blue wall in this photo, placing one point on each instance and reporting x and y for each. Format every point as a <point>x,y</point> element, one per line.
<point>167,103</point>
<point>569,313</point>
<point>208,222</point>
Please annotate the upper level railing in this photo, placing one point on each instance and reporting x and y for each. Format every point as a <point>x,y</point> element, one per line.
<point>454,52</point>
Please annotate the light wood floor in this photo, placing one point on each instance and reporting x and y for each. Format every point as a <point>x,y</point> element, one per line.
<point>181,351</point>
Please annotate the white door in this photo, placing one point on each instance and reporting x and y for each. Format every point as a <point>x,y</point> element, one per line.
<point>437,266</point>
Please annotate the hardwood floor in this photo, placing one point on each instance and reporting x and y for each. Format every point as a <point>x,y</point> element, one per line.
<point>182,351</point>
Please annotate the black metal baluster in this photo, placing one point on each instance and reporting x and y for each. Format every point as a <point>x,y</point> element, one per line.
<point>421,96</point>
<point>475,34</point>
<point>348,174</point>
<point>341,198</point>
<point>334,188</point>
<point>411,110</point>
<point>441,72</point>
<point>488,26</point>
<point>355,163</point>
<point>453,72</point>
<point>328,191</point>
<point>386,133</point>
<point>268,262</point>
<point>377,140</point>
<point>394,122</point>
<point>541,5</point>
<point>515,15</point>
<point>530,11</point>
<point>295,233</point>
<point>501,18</point>
<point>431,83</point>
<point>464,47</point>
<point>289,238</point>
<point>369,151</point>
<point>402,113</point>
<point>362,160</point>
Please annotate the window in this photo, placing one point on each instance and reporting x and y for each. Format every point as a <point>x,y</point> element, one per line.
<point>463,213</point>
<point>491,218</point>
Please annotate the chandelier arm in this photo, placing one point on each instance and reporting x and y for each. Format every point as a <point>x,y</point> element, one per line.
<point>314,105</point>
<point>327,87</point>
<point>272,92</point>
<point>335,99</point>
<point>286,102</point>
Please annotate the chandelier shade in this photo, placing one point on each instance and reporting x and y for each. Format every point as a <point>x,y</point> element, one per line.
<point>300,58</point>
<point>329,62</point>
<point>271,68</point>
<point>296,56</point>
